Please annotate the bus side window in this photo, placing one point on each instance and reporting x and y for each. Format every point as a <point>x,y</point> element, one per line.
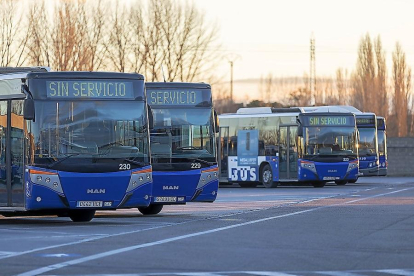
<point>262,151</point>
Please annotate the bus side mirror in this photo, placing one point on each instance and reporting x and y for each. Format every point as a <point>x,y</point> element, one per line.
<point>300,128</point>
<point>29,110</point>
<point>216,121</point>
<point>150,118</point>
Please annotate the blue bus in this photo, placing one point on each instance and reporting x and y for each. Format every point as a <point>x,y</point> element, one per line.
<point>183,144</point>
<point>82,144</point>
<point>368,144</point>
<point>278,145</point>
<point>382,146</point>
<point>368,141</point>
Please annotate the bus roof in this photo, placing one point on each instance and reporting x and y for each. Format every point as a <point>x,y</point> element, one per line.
<point>13,70</point>
<point>197,85</point>
<point>85,75</point>
<point>303,110</point>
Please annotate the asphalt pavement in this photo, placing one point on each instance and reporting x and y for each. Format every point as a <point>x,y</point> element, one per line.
<point>357,229</point>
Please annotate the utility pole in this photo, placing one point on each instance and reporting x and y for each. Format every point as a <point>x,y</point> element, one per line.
<point>312,75</point>
<point>231,80</point>
<point>231,58</point>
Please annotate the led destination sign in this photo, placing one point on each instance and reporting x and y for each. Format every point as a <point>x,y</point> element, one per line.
<point>365,121</point>
<point>90,89</point>
<point>175,97</point>
<point>329,121</point>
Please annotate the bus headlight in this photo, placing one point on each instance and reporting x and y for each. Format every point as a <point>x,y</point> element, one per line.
<point>46,178</point>
<point>352,165</point>
<point>139,177</point>
<point>308,165</point>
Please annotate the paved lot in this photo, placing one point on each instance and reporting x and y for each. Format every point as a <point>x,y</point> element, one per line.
<point>360,229</point>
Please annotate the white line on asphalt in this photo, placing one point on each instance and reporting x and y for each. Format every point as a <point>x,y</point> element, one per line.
<point>399,272</point>
<point>102,236</point>
<point>269,273</point>
<point>14,254</point>
<point>182,237</point>
<point>339,273</point>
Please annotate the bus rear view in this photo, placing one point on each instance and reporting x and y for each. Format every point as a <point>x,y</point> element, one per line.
<point>183,144</point>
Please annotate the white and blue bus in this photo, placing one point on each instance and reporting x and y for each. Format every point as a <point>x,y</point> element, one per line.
<point>382,146</point>
<point>79,140</point>
<point>183,144</point>
<point>276,145</point>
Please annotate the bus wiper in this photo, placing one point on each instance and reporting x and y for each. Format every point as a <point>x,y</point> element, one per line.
<point>198,160</point>
<point>61,160</point>
<point>189,148</point>
<point>142,164</point>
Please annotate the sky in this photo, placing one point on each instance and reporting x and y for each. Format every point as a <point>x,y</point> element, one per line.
<point>273,36</point>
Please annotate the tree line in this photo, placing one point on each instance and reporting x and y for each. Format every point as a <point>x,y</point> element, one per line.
<point>369,87</point>
<point>160,38</point>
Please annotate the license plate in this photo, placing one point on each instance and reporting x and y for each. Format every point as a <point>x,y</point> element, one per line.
<point>165,199</point>
<point>329,178</point>
<point>89,204</point>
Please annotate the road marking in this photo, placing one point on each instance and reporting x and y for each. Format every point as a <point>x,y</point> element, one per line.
<point>339,273</point>
<point>264,273</point>
<point>182,237</point>
<point>399,272</point>
<point>268,273</point>
<point>102,236</point>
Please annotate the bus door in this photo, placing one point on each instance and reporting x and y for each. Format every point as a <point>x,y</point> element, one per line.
<point>223,153</point>
<point>11,153</point>
<point>288,154</point>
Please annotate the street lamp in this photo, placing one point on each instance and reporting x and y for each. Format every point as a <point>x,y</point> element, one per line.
<point>231,59</point>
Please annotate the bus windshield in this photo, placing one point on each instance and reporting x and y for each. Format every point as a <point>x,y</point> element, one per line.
<point>80,134</point>
<point>182,133</point>
<point>367,141</point>
<point>330,141</point>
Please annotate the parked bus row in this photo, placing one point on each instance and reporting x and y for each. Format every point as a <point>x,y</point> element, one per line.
<point>307,145</point>
<point>72,143</point>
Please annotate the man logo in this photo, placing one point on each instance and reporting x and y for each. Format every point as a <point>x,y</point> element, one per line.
<point>95,191</point>
<point>170,187</point>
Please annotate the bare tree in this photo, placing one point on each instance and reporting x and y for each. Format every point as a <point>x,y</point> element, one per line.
<point>12,42</point>
<point>178,36</point>
<point>39,35</point>
<point>365,73</point>
<point>381,93</point>
<point>401,75</point>
<point>138,51</point>
<point>118,43</point>
<point>342,86</point>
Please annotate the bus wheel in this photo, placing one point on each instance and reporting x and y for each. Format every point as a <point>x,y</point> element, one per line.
<point>81,215</point>
<point>153,209</point>
<point>340,182</point>
<point>267,177</point>
<point>248,184</point>
<point>318,184</point>
<point>353,180</point>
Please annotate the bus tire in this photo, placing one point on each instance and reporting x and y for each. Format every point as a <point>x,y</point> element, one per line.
<point>81,215</point>
<point>353,180</point>
<point>267,177</point>
<point>153,209</point>
<point>340,182</point>
<point>319,184</point>
<point>248,184</point>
